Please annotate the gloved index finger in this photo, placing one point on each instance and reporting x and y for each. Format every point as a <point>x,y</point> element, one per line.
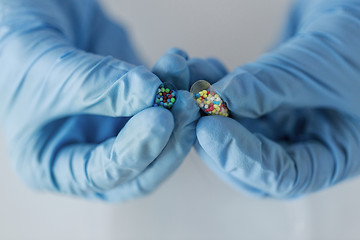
<point>84,83</point>
<point>121,96</point>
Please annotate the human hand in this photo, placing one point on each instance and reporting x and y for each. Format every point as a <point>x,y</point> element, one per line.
<point>77,122</point>
<point>295,125</point>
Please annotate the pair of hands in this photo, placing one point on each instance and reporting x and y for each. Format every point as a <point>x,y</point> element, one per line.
<point>80,123</point>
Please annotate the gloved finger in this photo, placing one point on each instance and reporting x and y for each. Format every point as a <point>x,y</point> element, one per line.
<point>102,86</point>
<point>280,170</point>
<point>173,69</point>
<point>209,69</point>
<point>301,72</point>
<point>186,113</point>
<point>218,65</point>
<point>82,169</point>
<point>84,83</point>
<point>125,96</point>
<point>178,51</point>
<point>221,173</point>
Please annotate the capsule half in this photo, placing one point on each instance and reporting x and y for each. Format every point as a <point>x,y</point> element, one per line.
<point>208,100</point>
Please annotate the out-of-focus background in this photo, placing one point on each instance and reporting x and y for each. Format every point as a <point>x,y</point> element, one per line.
<point>193,203</point>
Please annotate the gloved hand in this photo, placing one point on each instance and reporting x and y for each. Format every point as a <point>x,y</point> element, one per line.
<point>295,126</point>
<point>77,122</point>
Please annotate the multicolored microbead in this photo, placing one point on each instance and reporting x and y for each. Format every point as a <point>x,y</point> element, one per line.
<point>165,96</point>
<point>208,100</point>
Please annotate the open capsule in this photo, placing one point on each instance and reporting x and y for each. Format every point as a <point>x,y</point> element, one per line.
<point>208,100</point>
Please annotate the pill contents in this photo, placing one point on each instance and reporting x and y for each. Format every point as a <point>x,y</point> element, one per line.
<point>165,96</point>
<point>208,100</point>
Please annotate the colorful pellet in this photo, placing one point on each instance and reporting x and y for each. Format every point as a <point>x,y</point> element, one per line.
<point>165,96</point>
<point>208,100</point>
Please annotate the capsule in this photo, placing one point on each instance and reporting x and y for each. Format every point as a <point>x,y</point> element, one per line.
<point>208,100</point>
<point>165,96</point>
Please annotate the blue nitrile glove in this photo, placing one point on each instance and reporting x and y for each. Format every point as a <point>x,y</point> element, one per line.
<point>295,126</point>
<point>183,74</point>
<point>77,122</point>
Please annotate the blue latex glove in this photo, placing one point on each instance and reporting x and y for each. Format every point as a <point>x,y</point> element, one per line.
<point>77,122</point>
<point>296,115</point>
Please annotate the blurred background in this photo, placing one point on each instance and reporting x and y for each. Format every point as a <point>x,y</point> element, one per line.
<point>193,203</point>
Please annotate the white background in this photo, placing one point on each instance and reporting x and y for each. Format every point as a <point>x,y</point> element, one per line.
<point>193,203</point>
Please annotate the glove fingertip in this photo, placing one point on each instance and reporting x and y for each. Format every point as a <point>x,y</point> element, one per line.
<point>160,117</point>
<point>209,70</point>
<point>178,51</point>
<point>173,68</point>
<point>218,65</point>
